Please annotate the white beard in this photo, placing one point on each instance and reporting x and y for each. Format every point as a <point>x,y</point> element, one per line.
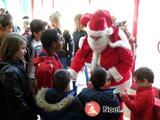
<point>99,45</point>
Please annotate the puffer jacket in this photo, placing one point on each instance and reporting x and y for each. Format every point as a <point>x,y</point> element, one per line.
<point>59,105</point>
<point>16,100</point>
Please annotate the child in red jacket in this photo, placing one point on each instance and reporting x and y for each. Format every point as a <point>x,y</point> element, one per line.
<point>47,62</point>
<point>142,105</point>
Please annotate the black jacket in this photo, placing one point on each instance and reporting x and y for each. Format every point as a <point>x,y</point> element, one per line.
<point>59,105</point>
<point>106,100</point>
<point>67,47</point>
<point>29,53</point>
<point>16,100</point>
<point>76,37</point>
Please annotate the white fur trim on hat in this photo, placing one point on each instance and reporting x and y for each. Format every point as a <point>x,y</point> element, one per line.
<point>107,32</point>
<point>116,75</point>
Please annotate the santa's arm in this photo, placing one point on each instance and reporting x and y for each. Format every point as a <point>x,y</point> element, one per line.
<point>76,64</point>
<point>79,59</point>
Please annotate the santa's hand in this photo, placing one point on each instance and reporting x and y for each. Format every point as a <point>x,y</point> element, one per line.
<point>73,74</point>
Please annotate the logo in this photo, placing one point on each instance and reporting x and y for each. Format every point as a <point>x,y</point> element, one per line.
<point>92,108</point>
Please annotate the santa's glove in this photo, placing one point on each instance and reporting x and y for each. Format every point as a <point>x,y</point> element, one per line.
<point>73,74</point>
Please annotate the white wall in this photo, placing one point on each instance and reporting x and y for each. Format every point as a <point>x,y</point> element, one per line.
<point>122,9</point>
<point>148,37</point>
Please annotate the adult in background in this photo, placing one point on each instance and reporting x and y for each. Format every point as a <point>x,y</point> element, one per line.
<point>25,26</point>
<point>78,33</point>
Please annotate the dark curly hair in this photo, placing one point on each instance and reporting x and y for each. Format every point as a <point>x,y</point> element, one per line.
<point>144,73</point>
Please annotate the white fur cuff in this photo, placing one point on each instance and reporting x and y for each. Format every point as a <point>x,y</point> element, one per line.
<point>81,40</point>
<point>116,75</point>
<point>73,74</point>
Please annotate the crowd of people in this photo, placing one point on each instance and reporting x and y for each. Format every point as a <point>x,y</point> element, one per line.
<point>37,65</point>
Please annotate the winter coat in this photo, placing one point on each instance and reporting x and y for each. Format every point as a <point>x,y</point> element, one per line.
<point>67,48</point>
<point>29,53</point>
<point>106,100</point>
<point>76,37</point>
<point>45,66</point>
<point>59,105</point>
<point>16,99</point>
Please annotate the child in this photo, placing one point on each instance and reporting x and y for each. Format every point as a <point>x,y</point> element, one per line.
<point>59,102</point>
<point>66,53</point>
<point>34,46</point>
<point>142,105</point>
<point>47,62</point>
<point>16,98</point>
<point>25,26</point>
<point>101,94</point>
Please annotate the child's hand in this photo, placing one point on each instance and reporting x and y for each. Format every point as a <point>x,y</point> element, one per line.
<point>89,84</point>
<point>122,93</point>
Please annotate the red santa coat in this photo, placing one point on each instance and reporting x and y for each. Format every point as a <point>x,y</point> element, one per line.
<point>117,61</point>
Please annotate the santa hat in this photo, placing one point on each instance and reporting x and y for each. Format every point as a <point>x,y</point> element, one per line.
<point>99,23</point>
<point>85,18</point>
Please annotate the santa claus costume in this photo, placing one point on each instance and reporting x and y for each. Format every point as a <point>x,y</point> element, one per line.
<point>106,46</point>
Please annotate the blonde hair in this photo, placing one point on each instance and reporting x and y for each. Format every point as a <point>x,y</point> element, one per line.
<point>55,18</point>
<point>79,26</point>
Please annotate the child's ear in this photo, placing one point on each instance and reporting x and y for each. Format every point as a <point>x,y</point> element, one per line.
<point>106,85</point>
